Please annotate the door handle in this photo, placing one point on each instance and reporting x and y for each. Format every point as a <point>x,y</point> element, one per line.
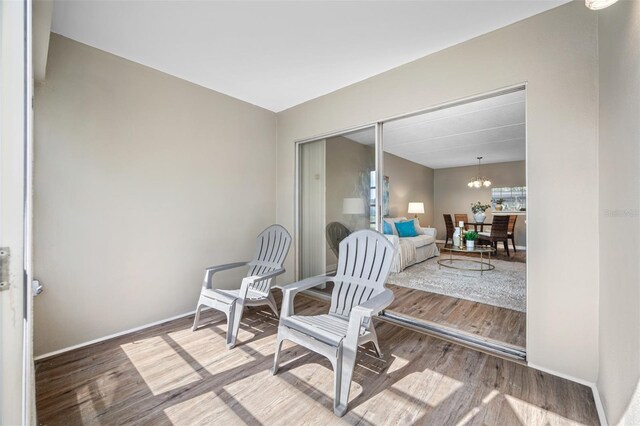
<point>4,268</point>
<point>36,288</point>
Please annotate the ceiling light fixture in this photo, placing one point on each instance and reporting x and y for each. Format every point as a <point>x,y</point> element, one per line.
<point>479,182</point>
<point>598,4</point>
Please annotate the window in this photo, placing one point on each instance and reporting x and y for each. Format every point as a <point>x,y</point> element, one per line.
<point>514,198</point>
<point>372,197</point>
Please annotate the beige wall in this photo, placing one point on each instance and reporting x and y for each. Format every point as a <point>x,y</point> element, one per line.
<point>409,182</point>
<point>556,54</point>
<point>452,195</point>
<point>619,44</point>
<point>141,181</point>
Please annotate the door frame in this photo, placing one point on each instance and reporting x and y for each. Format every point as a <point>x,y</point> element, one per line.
<point>500,350</point>
<point>17,401</point>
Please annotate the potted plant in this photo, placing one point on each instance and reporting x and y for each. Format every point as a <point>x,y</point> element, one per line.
<point>478,211</point>
<point>471,237</point>
<point>499,202</point>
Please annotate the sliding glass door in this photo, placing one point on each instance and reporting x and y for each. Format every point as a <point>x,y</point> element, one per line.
<point>421,168</point>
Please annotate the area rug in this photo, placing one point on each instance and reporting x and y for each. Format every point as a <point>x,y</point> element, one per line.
<point>505,286</point>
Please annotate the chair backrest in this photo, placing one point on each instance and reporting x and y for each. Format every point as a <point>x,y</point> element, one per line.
<point>271,251</point>
<point>449,224</point>
<point>512,223</point>
<point>499,226</point>
<point>363,267</point>
<point>336,232</point>
<point>462,217</point>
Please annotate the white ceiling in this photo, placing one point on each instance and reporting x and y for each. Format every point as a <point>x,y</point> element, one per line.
<point>492,128</point>
<point>280,54</point>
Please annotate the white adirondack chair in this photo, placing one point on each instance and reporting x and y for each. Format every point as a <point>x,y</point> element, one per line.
<point>271,250</point>
<point>358,294</point>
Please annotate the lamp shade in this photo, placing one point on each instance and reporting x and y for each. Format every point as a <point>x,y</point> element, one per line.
<point>352,206</point>
<point>416,208</point>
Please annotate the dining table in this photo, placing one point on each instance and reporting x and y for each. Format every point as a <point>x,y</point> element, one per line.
<point>477,225</point>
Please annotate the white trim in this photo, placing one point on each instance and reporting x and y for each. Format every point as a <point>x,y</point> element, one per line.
<point>602,416</point>
<point>562,375</point>
<point>28,367</point>
<point>112,336</point>
<point>594,389</point>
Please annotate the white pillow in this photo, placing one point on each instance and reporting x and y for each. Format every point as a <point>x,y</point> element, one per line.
<point>416,224</point>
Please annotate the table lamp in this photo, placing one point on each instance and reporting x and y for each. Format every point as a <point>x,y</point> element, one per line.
<point>416,208</point>
<point>353,206</point>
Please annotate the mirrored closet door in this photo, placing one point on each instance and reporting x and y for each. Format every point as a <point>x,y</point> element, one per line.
<point>337,196</point>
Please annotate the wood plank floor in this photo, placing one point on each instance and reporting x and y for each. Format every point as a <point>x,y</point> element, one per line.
<point>482,320</point>
<point>487,321</point>
<point>168,374</point>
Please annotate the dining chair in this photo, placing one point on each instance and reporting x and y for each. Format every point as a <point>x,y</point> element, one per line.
<point>448,222</point>
<point>358,294</point>
<point>462,217</point>
<point>511,231</point>
<point>499,232</point>
<point>255,290</point>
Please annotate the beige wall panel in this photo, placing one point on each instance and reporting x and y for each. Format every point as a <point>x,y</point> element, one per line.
<point>619,376</point>
<point>409,182</point>
<point>141,181</point>
<point>556,54</point>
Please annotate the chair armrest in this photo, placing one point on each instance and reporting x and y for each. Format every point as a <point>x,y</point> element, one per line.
<point>306,284</point>
<point>258,278</point>
<point>247,281</point>
<point>433,232</point>
<point>290,290</point>
<point>375,305</point>
<point>226,266</point>
<point>208,274</point>
<point>371,307</point>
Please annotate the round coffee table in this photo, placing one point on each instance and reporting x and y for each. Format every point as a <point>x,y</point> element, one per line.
<point>482,250</point>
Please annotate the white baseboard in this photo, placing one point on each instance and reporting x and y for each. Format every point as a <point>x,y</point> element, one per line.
<point>111,336</point>
<point>601,414</point>
<point>558,374</point>
<point>594,390</point>
<point>523,248</point>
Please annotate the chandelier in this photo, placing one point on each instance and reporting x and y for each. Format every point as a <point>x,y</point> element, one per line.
<point>599,4</point>
<point>479,182</point>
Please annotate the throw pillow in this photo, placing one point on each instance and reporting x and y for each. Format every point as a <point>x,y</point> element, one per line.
<point>392,225</point>
<point>416,224</point>
<point>386,228</point>
<point>406,229</point>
